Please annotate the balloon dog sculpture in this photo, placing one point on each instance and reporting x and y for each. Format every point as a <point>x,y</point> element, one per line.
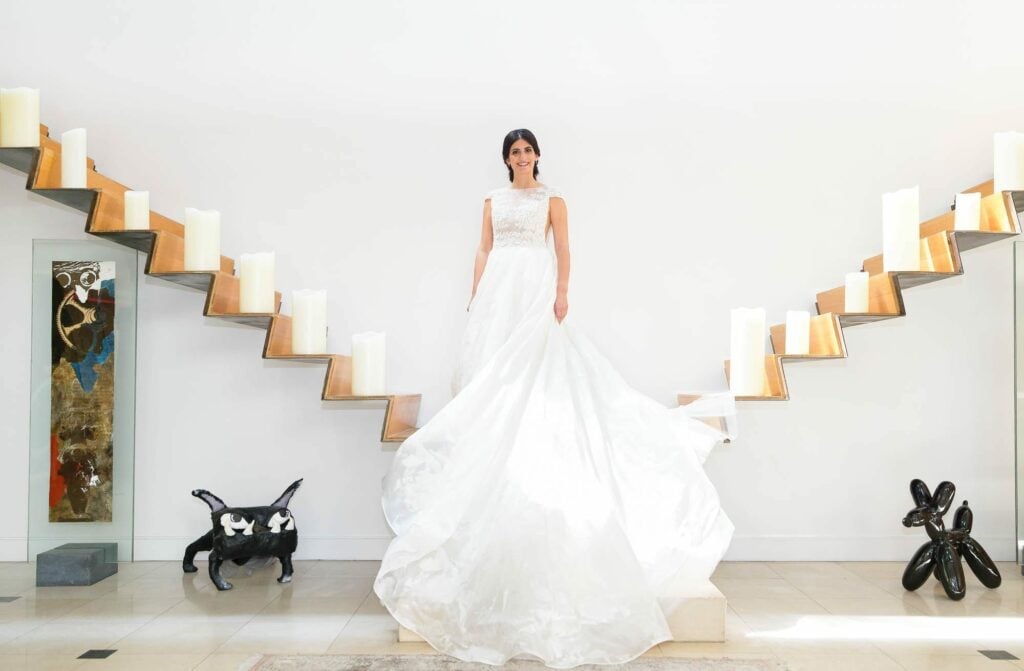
<point>941,555</point>
<point>240,534</point>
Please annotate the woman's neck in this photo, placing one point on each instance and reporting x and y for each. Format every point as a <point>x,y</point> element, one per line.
<point>524,183</point>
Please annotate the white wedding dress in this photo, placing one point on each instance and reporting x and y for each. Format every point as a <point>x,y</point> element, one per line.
<point>549,510</point>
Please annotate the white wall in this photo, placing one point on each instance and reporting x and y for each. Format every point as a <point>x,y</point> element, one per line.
<point>712,154</point>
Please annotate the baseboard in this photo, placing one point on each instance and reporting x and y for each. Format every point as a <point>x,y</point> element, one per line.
<point>168,548</point>
<point>743,548</point>
<point>848,548</point>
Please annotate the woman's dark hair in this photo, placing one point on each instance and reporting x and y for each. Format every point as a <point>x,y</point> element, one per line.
<point>506,147</point>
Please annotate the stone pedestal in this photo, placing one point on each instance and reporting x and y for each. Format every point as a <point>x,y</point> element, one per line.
<point>700,617</point>
<point>76,564</point>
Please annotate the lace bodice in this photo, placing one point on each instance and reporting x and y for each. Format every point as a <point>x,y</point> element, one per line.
<point>519,217</point>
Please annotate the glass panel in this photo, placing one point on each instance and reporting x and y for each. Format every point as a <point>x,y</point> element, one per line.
<point>82,436</point>
<point>1018,350</point>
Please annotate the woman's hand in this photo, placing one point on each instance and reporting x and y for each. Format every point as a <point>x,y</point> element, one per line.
<point>561,307</point>
<point>470,301</point>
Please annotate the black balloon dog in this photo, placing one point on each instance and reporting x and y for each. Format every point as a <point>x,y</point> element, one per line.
<point>941,555</point>
<point>240,534</point>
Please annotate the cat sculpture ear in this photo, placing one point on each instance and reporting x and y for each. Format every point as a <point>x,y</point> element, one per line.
<point>211,500</point>
<point>286,496</point>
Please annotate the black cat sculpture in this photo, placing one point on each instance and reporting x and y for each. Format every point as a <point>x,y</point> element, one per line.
<point>240,534</point>
<point>941,554</point>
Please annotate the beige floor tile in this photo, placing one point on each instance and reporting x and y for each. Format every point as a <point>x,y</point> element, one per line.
<point>38,662</point>
<point>13,569</point>
<point>947,662</point>
<point>289,604</point>
<point>742,569</point>
<point>845,661</point>
<point>875,569</point>
<point>285,636</point>
<point>229,661</point>
<point>747,606</point>
<point>217,605</point>
<point>329,569</point>
<point>67,593</point>
<point>873,606</point>
<point>838,586</point>
<point>40,610</point>
<point>120,608</point>
<point>804,570</point>
<point>172,636</point>
<point>15,586</point>
<point>121,661</point>
<point>333,587</point>
<point>757,587</point>
<point>69,637</point>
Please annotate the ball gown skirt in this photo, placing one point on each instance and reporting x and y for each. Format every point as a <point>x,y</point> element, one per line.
<point>549,510</point>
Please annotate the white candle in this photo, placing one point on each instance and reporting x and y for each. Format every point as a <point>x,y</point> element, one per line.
<point>136,210</point>
<point>900,230</point>
<point>368,364</point>
<point>19,117</point>
<point>202,239</point>
<point>967,213</point>
<point>856,292</point>
<point>309,322</point>
<point>72,159</point>
<point>746,355</point>
<point>256,282</point>
<point>1009,161</point>
<point>798,332</point>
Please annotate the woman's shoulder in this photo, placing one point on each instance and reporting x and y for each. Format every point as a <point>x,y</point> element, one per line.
<point>552,192</point>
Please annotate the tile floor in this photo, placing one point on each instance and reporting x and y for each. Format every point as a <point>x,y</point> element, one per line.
<point>819,616</point>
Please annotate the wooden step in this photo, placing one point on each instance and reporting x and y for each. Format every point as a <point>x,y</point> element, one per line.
<point>826,341</point>
<point>775,388</point>
<point>884,302</point>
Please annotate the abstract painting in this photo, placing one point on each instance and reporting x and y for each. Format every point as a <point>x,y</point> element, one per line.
<point>82,392</point>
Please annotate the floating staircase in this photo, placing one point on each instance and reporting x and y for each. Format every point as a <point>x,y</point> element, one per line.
<point>940,247</point>
<point>164,243</point>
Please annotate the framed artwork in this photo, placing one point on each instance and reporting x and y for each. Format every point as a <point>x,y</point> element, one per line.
<point>82,391</point>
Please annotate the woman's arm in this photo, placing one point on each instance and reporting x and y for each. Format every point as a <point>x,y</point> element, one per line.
<point>560,229</point>
<point>486,241</point>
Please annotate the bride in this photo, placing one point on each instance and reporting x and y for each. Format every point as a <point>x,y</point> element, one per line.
<point>549,510</point>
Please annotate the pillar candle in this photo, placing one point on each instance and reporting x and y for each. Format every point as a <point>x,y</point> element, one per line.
<point>900,230</point>
<point>309,322</point>
<point>19,117</point>
<point>967,213</point>
<point>136,210</point>
<point>856,292</point>
<point>202,239</point>
<point>798,332</point>
<point>746,355</point>
<point>256,282</point>
<point>1009,161</point>
<point>368,364</point>
<point>72,159</point>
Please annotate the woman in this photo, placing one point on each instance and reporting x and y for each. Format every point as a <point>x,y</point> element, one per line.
<point>549,509</point>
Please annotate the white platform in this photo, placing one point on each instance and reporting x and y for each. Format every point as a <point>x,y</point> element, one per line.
<point>699,618</point>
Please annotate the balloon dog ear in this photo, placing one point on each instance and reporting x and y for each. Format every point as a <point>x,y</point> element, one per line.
<point>919,492</point>
<point>943,497</point>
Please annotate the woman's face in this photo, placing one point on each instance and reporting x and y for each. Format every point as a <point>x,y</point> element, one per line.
<point>521,158</point>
